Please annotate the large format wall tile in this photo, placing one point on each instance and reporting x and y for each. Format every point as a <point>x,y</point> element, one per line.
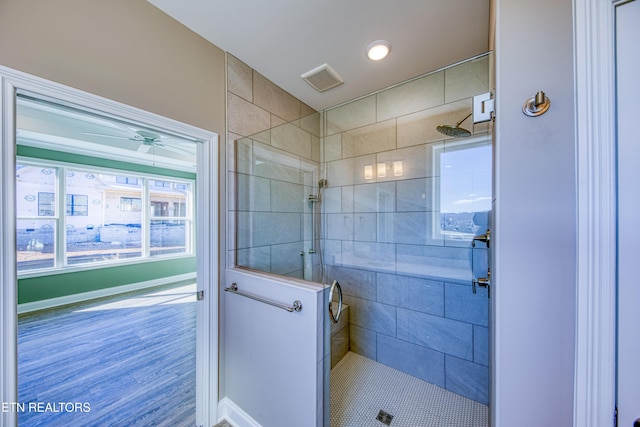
<point>368,255</point>
<point>286,258</point>
<point>352,115</point>
<point>332,200</point>
<point>245,118</point>
<point>462,304</point>
<point>332,147</point>
<point>292,139</point>
<point>272,98</point>
<point>310,120</point>
<point>413,293</point>
<point>354,282</point>
<point>347,199</point>
<point>434,261</point>
<point>403,227</point>
<point>254,193</point>
<point>374,197</point>
<point>481,345</point>
<point>372,315</point>
<point>414,195</point>
<point>239,78</point>
<point>435,332</point>
<point>468,379</point>
<point>364,227</point>
<point>257,257</point>
<point>269,162</point>
<point>362,341</point>
<point>420,94</point>
<point>369,139</point>
<point>420,127</point>
<point>466,80</point>
<point>349,171</point>
<point>340,226</point>
<point>415,162</point>
<point>415,360</point>
<point>271,228</point>
<point>287,197</point>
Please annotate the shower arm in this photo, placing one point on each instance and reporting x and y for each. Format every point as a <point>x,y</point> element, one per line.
<point>460,122</point>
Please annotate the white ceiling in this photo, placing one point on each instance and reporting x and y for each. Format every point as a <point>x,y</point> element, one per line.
<point>283,39</point>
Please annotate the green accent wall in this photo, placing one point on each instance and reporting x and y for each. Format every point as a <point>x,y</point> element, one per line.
<point>60,283</point>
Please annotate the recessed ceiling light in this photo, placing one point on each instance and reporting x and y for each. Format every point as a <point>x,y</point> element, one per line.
<point>378,50</point>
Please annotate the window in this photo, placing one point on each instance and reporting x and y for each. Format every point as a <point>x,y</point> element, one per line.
<point>170,217</point>
<point>159,208</point>
<point>77,205</point>
<point>162,184</point>
<point>180,208</point>
<point>130,204</point>
<point>462,192</point>
<point>101,220</point>
<point>126,180</point>
<point>46,204</point>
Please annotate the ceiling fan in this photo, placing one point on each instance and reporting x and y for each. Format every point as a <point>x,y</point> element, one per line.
<point>146,139</point>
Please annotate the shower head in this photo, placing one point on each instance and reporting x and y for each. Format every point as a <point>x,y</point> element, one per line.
<point>455,130</point>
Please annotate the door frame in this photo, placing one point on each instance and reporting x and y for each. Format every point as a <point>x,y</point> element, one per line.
<point>595,359</point>
<point>206,232</point>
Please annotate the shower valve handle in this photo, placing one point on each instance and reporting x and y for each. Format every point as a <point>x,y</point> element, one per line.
<point>483,282</point>
<point>486,237</point>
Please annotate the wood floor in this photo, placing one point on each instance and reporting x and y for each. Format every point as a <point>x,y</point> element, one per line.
<point>129,359</point>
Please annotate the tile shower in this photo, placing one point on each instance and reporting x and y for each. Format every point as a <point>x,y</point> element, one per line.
<point>393,225</point>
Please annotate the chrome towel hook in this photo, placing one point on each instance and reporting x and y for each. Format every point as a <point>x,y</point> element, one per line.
<point>536,105</point>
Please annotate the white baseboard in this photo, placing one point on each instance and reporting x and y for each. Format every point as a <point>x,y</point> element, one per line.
<point>234,415</point>
<point>100,293</point>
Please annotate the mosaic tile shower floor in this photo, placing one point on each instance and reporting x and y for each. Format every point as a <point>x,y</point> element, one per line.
<point>361,387</point>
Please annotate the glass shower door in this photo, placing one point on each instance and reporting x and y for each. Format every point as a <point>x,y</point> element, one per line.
<point>276,211</point>
<point>400,213</point>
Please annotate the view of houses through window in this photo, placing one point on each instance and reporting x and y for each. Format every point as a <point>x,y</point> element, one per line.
<point>106,215</point>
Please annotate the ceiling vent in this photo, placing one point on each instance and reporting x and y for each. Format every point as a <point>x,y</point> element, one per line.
<point>322,78</point>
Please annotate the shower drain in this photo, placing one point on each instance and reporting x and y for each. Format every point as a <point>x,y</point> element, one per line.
<point>384,417</point>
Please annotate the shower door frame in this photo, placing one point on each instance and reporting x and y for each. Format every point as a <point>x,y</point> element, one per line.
<point>207,220</point>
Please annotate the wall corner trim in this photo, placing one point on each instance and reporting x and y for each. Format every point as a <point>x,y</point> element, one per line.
<point>594,374</point>
<point>233,414</point>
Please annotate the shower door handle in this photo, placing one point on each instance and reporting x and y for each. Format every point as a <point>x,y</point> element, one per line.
<point>335,317</point>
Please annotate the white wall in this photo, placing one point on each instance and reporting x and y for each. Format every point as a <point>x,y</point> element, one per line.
<point>534,259</point>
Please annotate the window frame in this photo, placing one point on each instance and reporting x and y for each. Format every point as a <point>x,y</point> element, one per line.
<point>438,150</point>
<point>146,180</point>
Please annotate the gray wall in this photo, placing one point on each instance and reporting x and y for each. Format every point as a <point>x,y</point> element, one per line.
<point>535,217</point>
